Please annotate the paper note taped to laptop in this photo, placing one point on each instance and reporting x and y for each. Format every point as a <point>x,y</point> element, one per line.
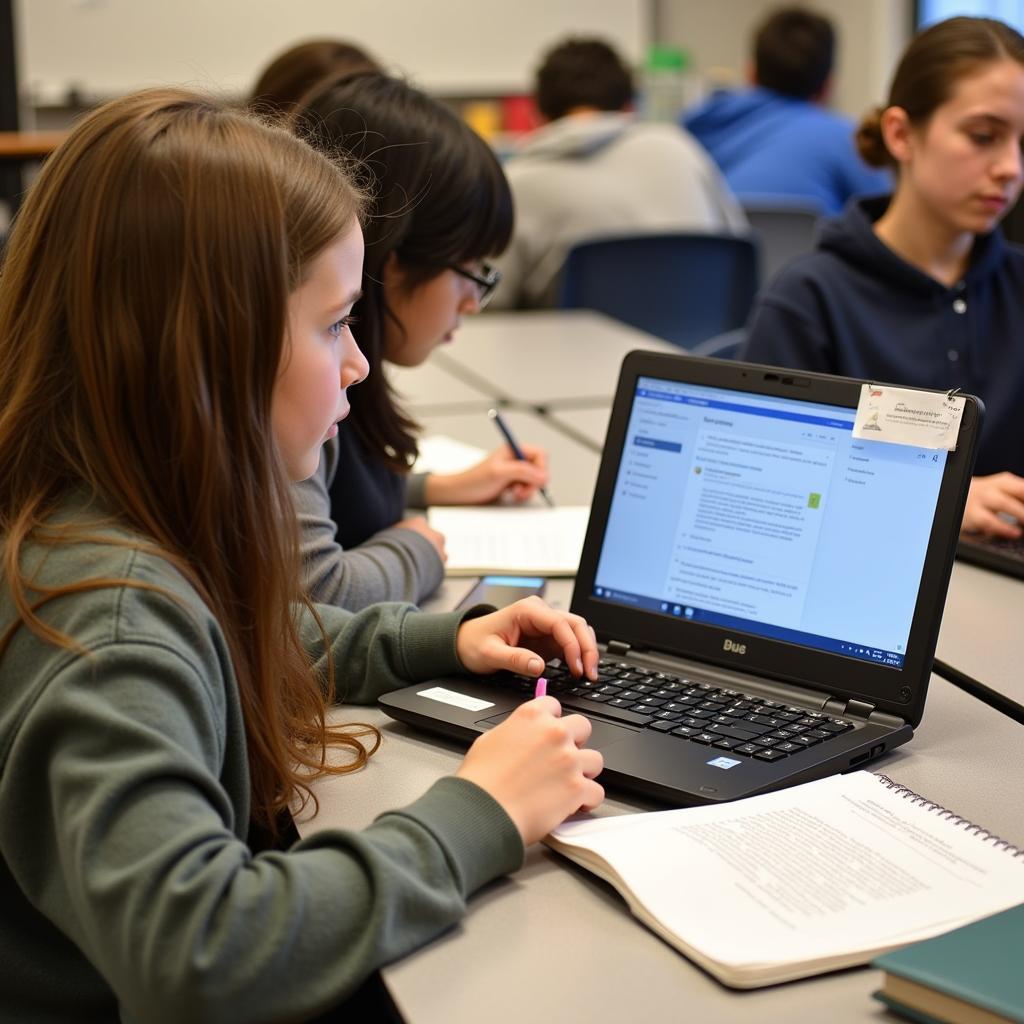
<point>925,419</point>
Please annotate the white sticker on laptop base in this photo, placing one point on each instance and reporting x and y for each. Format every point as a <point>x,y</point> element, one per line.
<point>925,419</point>
<point>458,700</point>
<point>724,762</point>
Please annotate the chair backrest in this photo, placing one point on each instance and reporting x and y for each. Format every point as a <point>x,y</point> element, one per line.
<point>682,287</point>
<point>786,228</point>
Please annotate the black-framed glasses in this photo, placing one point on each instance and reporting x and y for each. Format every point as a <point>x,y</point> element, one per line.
<point>486,281</point>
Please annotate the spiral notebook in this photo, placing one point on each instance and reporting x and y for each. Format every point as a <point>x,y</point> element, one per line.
<point>802,881</point>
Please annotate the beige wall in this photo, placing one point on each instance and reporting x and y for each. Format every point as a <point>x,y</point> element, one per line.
<point>871,35</point>
<point>105,47</point>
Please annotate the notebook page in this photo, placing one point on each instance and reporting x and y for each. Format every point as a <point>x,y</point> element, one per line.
<point>534,540</point>
<point>808,874</point>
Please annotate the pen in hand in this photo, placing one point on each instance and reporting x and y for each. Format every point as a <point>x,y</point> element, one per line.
<point>502,426</point>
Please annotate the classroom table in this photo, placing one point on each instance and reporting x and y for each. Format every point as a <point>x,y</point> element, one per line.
<point>552,943</point>
<point>588,425</point>
<point>432,387</point>
<point>546,359</point>
<point>981,627</point>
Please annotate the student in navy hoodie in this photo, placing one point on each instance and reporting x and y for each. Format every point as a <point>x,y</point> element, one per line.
<point>919,288</point>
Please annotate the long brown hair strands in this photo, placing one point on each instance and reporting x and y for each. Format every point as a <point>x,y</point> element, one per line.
<point>142,316</point>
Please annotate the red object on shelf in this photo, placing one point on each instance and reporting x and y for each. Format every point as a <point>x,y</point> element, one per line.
<point>519,114</point>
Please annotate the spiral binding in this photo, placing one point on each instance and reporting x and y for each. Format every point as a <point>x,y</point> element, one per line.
<point>954,819</point>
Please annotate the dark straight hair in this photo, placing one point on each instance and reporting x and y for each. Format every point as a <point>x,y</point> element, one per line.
<point>793,52</point>
<point>438,197</point>
<point>582,73</point>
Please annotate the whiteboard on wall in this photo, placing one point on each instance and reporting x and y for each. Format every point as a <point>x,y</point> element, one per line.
<point>107,47</point>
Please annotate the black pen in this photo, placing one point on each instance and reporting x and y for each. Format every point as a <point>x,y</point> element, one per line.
<point>500,423</point>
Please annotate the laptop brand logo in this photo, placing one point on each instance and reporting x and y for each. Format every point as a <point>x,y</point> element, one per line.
<point>733,647</point>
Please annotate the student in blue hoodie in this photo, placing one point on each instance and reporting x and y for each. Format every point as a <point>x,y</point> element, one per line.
<point>919,288</point>
<point>754,133</point>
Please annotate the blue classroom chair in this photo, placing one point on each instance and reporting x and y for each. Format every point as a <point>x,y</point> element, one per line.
<point>682,287</point>
<point>785,226</point>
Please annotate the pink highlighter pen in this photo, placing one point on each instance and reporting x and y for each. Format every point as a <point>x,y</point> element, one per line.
<point>541,689</point>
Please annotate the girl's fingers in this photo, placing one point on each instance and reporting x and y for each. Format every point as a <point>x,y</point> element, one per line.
<point>572,634</point>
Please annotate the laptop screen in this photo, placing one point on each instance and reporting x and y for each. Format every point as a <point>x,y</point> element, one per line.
<point>764,514</point>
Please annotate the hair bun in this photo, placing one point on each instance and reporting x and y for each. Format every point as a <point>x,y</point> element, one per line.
<point>869,141</point>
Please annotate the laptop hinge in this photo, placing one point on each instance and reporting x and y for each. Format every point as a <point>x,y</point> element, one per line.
<point>862,709</point>
<point>617,647</point>
<point>851,708</point>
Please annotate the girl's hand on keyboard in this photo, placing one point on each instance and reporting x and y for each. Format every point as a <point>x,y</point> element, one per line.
<point>536,766</point>
<point>993,503</point>
<point>521,637</point>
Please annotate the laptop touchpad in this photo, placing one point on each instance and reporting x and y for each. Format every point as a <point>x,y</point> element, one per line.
<point>602,736</point>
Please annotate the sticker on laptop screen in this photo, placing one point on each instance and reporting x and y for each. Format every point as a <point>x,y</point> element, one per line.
<point>927,419</point>
<point>724,762</point>
<point>456,700</point>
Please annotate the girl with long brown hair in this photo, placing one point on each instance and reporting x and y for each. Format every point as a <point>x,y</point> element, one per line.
<point>174,350</point>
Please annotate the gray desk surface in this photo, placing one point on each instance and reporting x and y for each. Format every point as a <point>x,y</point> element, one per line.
<point>546,357</point>
<point>590,425</point>
<point>432,386</point>
<point>982,626</point>
<point>571,942</point>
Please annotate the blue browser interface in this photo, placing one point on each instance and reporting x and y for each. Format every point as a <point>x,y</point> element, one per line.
<point>766,515</point>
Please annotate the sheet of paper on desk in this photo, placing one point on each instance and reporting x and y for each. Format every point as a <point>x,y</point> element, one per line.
<point>440,454</point>
<point>527,540</point>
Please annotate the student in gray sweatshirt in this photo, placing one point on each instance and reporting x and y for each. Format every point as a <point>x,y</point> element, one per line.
<point>174,348</point>
<point>594,170</point>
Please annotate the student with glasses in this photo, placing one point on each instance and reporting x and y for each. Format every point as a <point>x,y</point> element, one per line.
<point>440,208</point>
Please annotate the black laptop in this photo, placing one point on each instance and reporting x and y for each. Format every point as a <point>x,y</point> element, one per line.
<point>997,553</point>
<point>767,590</point>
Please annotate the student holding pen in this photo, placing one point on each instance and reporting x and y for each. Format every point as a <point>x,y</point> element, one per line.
<point>174,348</point>
<point>439,209</point>
<point>517,450</point>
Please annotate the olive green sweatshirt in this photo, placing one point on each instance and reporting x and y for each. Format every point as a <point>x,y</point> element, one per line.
<point>127,890</point>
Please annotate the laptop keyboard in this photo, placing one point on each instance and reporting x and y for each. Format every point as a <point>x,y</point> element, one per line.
<point>1008,548</point>
<point>698,712</point>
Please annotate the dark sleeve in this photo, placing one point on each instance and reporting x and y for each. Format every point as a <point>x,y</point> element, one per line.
<point>789,326</point>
